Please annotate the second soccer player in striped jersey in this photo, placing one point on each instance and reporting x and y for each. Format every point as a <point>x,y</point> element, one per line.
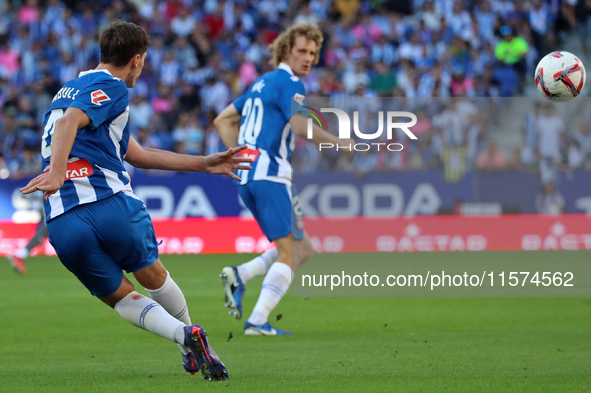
<point>266,119</point>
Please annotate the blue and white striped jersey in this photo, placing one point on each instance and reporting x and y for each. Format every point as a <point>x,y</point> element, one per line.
<point>95,166</point>
<point>266,108</point>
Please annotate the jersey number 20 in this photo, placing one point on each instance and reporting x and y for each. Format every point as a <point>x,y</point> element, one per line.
<point>48,131</point>
<point>253,123</point>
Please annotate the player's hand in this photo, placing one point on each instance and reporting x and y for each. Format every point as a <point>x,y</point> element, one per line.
<point>48,182</point>
<point>224,163</point>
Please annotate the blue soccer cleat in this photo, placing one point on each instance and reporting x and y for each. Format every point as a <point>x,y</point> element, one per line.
<point>207,360</point>
<point>234,289</point>
<point>263,330</point>
<point>190,363</point>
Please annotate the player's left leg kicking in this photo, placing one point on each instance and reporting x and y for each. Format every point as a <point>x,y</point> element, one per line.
<point>96,250</point>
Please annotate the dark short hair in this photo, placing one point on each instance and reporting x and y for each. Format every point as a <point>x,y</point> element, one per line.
<point>121,41</point>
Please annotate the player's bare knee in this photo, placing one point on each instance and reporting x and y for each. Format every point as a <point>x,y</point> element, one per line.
<point>307,252</point>
<point>284,257</point>
<point>124,289</point>
<point>153,276</point>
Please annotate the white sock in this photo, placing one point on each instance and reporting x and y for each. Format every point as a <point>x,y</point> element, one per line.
<point>275,286</point>
<point>171,298</point>
<point>23,253</point>
<point>145,313</point>
<point>258,266</point>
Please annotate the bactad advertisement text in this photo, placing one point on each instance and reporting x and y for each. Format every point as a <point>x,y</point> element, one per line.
<point>422,234</point>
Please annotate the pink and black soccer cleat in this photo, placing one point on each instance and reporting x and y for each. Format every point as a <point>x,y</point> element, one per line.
<point>18,264</point>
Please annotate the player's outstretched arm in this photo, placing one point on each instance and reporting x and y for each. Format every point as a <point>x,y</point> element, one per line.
<point>299,125</point>
<point>64,134</point>
<point>220,163</point>
<point>226,123</point>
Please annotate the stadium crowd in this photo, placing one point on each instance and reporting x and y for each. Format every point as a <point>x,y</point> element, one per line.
<point>205,53</point>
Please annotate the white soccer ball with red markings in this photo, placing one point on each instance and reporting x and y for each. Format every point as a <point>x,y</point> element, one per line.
<point>560,76</point>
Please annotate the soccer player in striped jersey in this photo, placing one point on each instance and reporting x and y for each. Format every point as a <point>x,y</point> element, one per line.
<point>96,224</point>
<point>263,120</point>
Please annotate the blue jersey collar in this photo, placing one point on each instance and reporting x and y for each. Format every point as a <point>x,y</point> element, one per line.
<point>92,71</point>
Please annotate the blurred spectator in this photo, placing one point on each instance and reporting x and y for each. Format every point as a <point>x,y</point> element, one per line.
<point>214,95</point>
<point>429,15</point>
<point>28,13</point>
<point>189,100</point>
<point>540,21</point>
<point>8,60</point>
<point>491,159</point>
<point>185,54</point>
<point>248,72</point>
<point>515,163</point>
<point>460,22</point>
<point>583,14</point>
<point>412,49</point>
<point>189,133</point>
<point>162,102</point>
<point>25,115</point>
<point>170,70</point>
<point>306,15</point>
<point>453,124</point>
<point>183,23</point>
<point>573,157</point>
<point>528,156</point>
<point>215,22</point>
<point>4,171</point>
<point>550,200</point>
<point>474,140</point>
<point>68,70</point>
<point>29,165</point>
<point>146,138</point>
<point>530,126</point>
<point>213,143</point>
<point>383,51</point>
<point>384,82</point>
<point>355,77</point>
<point>550,129</point>
<point>582,141</point>
<point>140,113</point>
<point>486,21</point>
<point>257,51</point>
<point>347,8</point>
<point>512,50</point>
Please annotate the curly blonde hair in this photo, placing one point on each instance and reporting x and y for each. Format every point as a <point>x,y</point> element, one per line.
<point>285,42</point>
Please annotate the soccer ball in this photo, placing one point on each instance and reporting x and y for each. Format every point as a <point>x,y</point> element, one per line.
<point>560,76</point>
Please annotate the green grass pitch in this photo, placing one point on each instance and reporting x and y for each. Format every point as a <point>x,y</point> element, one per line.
<point>54,337</point>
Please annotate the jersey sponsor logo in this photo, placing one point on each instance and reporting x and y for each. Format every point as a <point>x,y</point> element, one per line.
<point>77,169</point>
<point>250,153</point>
<point>99,96</point>
<point>299,98</point>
